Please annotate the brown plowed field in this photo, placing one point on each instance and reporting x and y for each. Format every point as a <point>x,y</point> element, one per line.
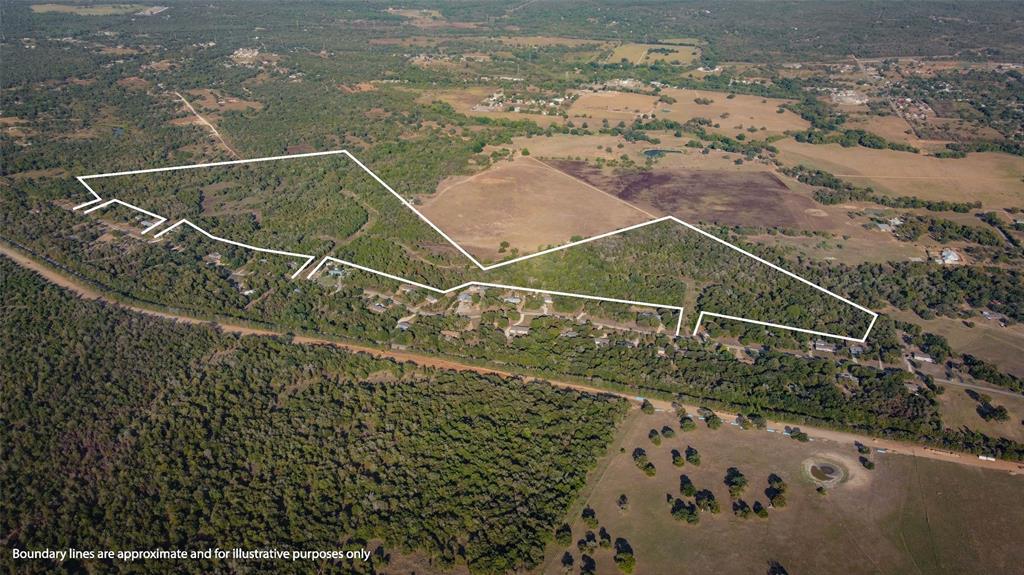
<point>712,196</point>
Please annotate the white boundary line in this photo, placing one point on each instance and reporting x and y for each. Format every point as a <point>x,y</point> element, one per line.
<point>309,258</point>
<point>477,263</point>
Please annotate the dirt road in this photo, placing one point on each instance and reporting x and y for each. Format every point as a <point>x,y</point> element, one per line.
<point>816,434</point>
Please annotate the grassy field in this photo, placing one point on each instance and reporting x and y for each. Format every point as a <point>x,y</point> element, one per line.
<point>93,10</point>
<point>908,515</point>
<point>993,178</point>
<point>527,204</point>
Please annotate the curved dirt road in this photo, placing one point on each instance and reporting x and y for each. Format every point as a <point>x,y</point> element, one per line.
<point>816,434</point>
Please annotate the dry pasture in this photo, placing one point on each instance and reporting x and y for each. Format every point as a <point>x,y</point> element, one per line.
<point>740,110</point>
<point>613,106</point>
<point>908,515</point>
<point>93,10</point>
<point>641,53</point>
<point>1003,346</point>
<point>959,410</point>
<point>526,203</point>
<point>993,178</point>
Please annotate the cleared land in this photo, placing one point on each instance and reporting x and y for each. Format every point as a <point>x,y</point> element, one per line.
<point>651,53</point>
<point>959,410</point>
<point>613,106</point>
<point>754,198</point>
<point>526,203</point>
<point>464,99</point>
<point>94,10</point>
<point>908,515</point>
<point>734,115</point>
<point>993,178</point>
<point>1003,346</point>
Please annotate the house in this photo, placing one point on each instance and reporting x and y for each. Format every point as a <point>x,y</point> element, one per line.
<point>465,297</point>
<point>512,300</point>
<point>949,257</point>
<point>568,333</point>
<point>918,356</point>
<point>884,227</point>
<point>601,341</point>
<point>824,346</point>
<point>430,299</point>
<point>337,272</point>
<point>856,350</point>
<point>518,330</point>
<point>403,325</point>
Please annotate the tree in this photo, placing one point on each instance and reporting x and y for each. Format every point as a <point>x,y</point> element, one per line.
<point>589,517</point>
<point>706,501</point>
<point>684,511</point>
<point>677,458</point>
<point>686,423</point>
<point>624,558</point>
<point>647,407</point>
<point>686,486</point>
<point>563,535</point>
<point>735,481</point>
<point>654,437</point>
<point>623,502</point>
<point>760,510</point>
<point>692,456</point>
<point>713,421</point>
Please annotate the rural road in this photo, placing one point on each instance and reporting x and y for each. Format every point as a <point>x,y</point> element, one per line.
<point>817,434</point>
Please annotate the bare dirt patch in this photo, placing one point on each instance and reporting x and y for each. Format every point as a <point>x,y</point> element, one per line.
<point>526,203</point>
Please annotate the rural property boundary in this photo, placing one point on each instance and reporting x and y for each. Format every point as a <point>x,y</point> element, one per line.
<point>97,203</point>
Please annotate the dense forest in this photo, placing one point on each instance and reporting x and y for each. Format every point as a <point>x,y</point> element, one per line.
<point>128,432</point>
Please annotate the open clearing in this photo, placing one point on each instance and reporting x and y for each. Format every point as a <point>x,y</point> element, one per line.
<point>734,115</point>
<point>753,198</point>
<point>527,204</point>
<point>650,53</point>
<point>93,10</point>
<point>612,106</point>
<point>993,178</point>
<point>959,410</point>
<point>1003,346</point>
<point>908,515</point>
<point>464,99</point>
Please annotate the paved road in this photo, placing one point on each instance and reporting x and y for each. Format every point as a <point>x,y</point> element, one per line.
<point>817,434</point>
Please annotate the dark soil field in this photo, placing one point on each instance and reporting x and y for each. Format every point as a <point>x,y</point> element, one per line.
<point>712,196</point>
